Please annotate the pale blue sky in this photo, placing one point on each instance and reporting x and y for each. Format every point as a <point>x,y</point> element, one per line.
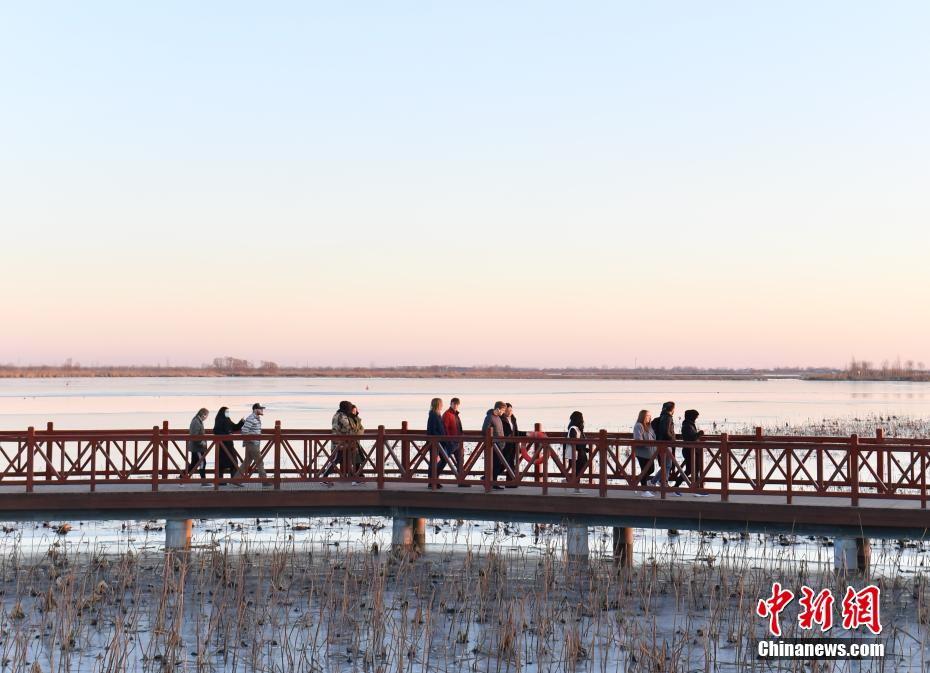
<point>761,170</point>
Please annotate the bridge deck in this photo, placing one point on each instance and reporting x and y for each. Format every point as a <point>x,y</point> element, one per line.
<point>879,517</point>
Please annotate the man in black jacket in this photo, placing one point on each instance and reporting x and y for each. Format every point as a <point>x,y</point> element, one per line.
<point>664,427</point>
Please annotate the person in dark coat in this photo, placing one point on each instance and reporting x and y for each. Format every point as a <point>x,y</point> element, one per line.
<point>511,429</point>
<point>436,428</point>
<point>227,458</point>
<point>576,431</point>
<point>664,427</point>
<point>493,422</point>
<point>693,456</point>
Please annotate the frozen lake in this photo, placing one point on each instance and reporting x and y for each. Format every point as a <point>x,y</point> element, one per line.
<point>309,403</point>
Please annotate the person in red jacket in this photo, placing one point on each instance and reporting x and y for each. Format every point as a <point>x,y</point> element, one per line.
<point>453,426</point>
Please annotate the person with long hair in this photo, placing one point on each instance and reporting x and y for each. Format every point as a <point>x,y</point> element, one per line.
<point>511,429</point>
<point>436,428</point>
<point>358,458</point>
<point>645,454</point>
<point>346,421</point>
<point>227,458</point>
<point>577,464</point>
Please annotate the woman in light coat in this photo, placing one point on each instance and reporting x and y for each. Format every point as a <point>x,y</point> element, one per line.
<point>645,454</point>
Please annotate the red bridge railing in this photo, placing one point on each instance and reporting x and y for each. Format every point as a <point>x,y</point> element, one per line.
<point>727,465</point>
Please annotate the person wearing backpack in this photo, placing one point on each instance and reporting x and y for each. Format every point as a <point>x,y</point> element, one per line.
<point>575,430</point>
<point>664,428</point>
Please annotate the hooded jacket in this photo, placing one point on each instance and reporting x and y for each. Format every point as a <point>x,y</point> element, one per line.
<point>689,431</point>
<point>497,425</point>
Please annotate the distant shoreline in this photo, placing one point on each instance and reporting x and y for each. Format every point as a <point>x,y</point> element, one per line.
<point>404,373</point>
<point>449,372</point>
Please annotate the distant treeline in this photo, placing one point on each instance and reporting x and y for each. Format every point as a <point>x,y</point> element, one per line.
<point>228,366</point>
<point>865,370</point>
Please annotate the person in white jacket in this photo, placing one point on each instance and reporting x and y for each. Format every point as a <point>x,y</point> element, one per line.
<point>645,454</point>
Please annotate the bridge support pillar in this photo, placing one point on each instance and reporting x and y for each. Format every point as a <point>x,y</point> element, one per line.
<point>576,543</point>
<point>623,547</point>
<point>178,533</point>
<point>409,535</point>
<point>852,554</point>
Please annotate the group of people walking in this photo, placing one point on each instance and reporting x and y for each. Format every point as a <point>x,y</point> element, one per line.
<point>346,422</point>
<point>662,428</point>
<point>446,451</point>
<point>228,460</point>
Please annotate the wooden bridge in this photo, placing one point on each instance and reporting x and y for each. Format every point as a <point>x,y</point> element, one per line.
<point>873,486</point>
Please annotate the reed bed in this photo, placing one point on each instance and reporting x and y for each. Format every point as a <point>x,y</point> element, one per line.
<point>303,601</point>
<point>905,427</point>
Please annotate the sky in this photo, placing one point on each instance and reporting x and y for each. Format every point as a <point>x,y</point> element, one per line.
<point>526,183</point>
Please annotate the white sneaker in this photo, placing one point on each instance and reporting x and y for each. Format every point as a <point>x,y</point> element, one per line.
<point>676,494</point>
<point>648,494</point>
<point>356,483</point>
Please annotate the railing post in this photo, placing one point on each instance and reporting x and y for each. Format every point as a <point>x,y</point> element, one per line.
<point>405,451</point>
<point>820,485</point>
<point>488,457</point>
<point>218,450</point>
<point>923,478</point>
<point>30,458</point>
<point>880,460</point>
<point>602,452</point>
<point>277,455</point>
<point>164,450</point>
<point>156,452</point>
<point>853,463</point>
<point>93,465</point>
<point>789,471</point>
<point>49,428</point>
<point>540,451</point>
<point>545,446</point>
<point>759,459</point>
<point>433,464</point>
<point>725,467</point>
<point>379,457</point>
